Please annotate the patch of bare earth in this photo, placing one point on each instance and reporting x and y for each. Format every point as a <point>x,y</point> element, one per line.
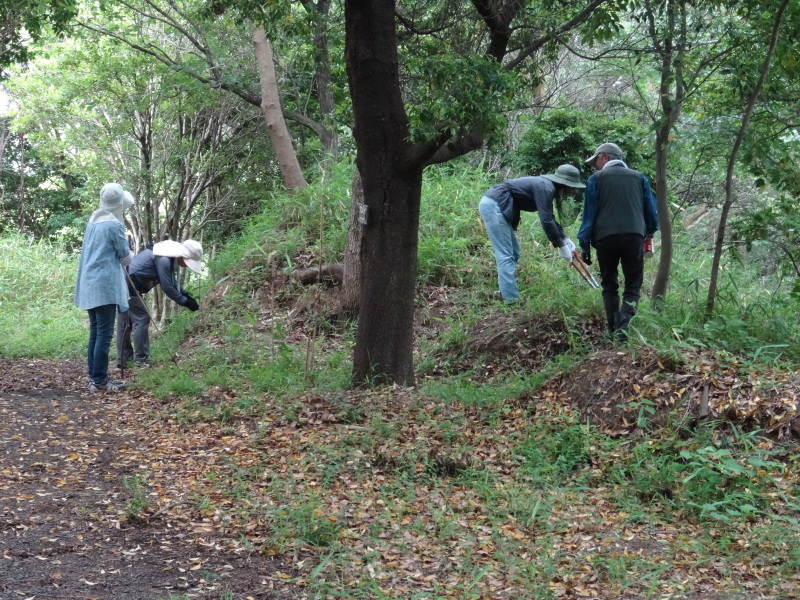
<point>508,342</point>
<point>69,525</point>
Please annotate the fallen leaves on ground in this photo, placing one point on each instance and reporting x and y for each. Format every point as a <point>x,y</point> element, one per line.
<point>382,491</point>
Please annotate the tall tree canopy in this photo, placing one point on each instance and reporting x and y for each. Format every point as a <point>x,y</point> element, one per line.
<point>106,113</point>
<point>165,95</point>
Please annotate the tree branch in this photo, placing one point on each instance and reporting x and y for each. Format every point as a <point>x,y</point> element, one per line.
<point>571,24</point>
<point>161,56</point>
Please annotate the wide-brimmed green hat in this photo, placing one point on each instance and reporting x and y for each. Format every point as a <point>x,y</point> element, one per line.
<point>567,175</point>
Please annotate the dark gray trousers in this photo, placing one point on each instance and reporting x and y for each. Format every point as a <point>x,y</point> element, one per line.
<point>135,323</point>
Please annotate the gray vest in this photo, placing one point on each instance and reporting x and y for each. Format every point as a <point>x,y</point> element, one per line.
<point>620,202</point>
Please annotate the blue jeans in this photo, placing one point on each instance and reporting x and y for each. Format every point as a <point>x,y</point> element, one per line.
<point>505,246</point>
<point>101,330</point>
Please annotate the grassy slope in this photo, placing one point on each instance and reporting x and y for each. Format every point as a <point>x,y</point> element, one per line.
<point>479,483</point>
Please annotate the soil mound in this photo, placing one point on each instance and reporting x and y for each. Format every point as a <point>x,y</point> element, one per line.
<point>622,391</point>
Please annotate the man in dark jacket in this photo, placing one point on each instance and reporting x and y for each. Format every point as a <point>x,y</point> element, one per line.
<point>619,211</point>
<point>156,265</point>
<point>500,210</point>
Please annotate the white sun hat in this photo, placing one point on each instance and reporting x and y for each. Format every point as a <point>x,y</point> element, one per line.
<point>190,250</point>
<point>127,200</point>
<point>114,201</point>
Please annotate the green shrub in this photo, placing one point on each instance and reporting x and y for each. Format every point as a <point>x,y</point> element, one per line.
<point>712,477</point>
<point>559,136</point>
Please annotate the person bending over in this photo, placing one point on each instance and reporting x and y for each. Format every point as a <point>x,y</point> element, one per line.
<point>500,210</point>
<point>156,265</point>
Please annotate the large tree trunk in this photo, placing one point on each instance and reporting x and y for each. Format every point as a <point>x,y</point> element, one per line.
<point>351,281</point>
<point>385,335</point>
<point>392,189</point>
<point>729,195</point>
<point>271,109</point>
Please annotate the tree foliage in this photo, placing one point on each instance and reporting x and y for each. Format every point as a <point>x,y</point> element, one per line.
<point>23,20</point>
<point>108,114</point>
<point>36,203</point>
<point>561,136</point>
<point>211,43</point>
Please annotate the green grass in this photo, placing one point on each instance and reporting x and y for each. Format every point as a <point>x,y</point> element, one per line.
<point>37,284</point>
<point>754,316</point>
<point>139,500</point>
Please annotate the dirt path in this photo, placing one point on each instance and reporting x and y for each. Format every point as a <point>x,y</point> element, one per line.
<point>69,498</point>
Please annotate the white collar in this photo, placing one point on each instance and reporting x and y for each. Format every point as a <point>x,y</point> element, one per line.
<point>614,163</point>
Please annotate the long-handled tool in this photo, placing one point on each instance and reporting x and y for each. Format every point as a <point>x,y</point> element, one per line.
<point>583,269</point>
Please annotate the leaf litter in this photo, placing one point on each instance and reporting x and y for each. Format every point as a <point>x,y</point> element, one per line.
<point>67,527</point>
<point>367,493</point>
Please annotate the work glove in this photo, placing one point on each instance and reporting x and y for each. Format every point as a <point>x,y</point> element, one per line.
<point>586,254</point>
<point>569,244</point>
<point>565,251</point>
<point>191,303</point>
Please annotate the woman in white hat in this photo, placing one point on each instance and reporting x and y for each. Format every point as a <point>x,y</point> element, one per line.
<point>155,265</point>
<point>100,288</point>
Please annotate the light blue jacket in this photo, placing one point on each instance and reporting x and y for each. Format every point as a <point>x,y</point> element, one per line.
<point>101,280</point>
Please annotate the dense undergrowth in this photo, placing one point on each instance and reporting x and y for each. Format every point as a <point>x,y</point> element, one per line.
<point>264,350</point>
<point>756,314</point>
